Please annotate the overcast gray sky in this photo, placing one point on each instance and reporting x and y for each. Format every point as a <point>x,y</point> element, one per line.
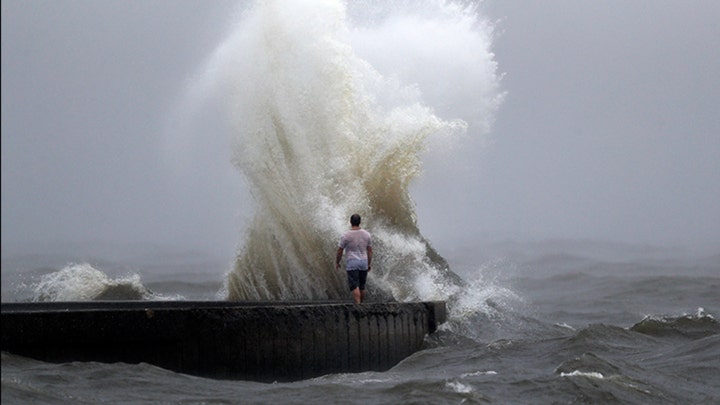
<point>610,128</point>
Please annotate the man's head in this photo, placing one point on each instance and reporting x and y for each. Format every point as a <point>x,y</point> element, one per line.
<point>355,220</point>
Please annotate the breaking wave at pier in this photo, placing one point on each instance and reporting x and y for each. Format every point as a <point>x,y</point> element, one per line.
<point>320,133</point>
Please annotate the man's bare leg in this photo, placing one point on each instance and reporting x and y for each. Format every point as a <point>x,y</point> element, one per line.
<point>357,296</point>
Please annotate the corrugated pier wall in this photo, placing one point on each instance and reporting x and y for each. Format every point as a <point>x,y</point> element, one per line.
<point>234,340</point>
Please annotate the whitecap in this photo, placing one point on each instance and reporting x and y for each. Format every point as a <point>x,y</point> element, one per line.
<point>459,387</point>
<point>588,374</point>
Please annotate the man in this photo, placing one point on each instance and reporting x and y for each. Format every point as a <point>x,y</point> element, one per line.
<point>357,243</point>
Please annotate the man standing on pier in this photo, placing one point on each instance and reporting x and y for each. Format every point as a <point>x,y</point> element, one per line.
<point>357,243</point>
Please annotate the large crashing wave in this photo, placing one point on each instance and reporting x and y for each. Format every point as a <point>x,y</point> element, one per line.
<point>320,134</point>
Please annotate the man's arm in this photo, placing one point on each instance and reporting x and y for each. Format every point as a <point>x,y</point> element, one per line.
<point>369,254</point>
<point>338,258</point>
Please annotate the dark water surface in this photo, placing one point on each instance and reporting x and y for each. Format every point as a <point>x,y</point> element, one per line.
<point>545,328</point>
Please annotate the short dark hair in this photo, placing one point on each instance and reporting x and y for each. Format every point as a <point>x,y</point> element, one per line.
<point>355,220</point>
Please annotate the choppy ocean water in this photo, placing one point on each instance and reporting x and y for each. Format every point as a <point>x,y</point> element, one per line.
<point>545,325</point>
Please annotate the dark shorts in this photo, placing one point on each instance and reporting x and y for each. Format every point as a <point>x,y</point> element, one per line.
<point>357,278</point>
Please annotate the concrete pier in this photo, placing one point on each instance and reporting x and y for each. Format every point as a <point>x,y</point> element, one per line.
<point>233,340</point>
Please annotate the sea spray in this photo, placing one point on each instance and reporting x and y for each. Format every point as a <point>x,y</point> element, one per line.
<point>83,282</point>
<point>319,134</point>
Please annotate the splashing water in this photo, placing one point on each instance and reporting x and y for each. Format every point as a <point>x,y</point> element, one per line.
<point>82,282</point>
<point>320,133</point>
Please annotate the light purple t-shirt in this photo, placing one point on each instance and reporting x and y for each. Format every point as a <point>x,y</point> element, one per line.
<point>355,243</point>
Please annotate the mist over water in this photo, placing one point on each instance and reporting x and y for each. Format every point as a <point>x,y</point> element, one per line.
<point>321,133</point>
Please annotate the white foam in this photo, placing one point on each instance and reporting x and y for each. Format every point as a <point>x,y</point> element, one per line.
<point>588,374</point>
<point>459,387</point>
<point>83,282</point>
<point>478,373</point>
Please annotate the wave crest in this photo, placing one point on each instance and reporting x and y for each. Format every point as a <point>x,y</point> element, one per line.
<point>82,282</point>
<point>694,326</point>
